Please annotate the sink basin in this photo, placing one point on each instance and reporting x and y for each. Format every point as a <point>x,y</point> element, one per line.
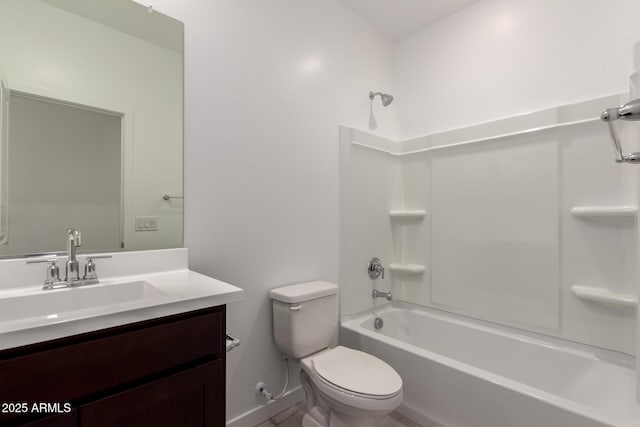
<point>50,304</point>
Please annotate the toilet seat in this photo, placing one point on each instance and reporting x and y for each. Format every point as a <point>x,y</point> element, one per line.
<point>357,373</point>
<point>389,390</point>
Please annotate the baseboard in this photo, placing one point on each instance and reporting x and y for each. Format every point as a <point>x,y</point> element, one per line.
<point>262,413</point>
<point>418,416</point>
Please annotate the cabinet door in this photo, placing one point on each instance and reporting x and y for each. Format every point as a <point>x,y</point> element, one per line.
<point>63,420</point>
<point>191,398</point>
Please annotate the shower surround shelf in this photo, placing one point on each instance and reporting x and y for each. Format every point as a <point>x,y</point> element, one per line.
<point>604,211</point>
<point>407,268</point>
<point>605,296</point>
<point>415,214</point>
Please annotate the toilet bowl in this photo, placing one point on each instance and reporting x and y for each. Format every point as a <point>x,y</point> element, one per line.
<point>343,387</point>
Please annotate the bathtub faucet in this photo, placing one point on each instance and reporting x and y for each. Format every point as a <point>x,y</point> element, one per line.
<point>381,294</point>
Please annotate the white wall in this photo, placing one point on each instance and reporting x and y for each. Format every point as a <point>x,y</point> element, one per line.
<point>267,84</point>
<point>52,53</point>
<point>500,58</point>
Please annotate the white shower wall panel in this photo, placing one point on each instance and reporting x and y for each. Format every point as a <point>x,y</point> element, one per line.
<point>371,181</point>
<point>414,235</point>
<point>597,252</point>
<point>499,241</point>
<point>495,225</point>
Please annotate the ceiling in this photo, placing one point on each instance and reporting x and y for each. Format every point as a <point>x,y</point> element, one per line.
<point>401,18</point>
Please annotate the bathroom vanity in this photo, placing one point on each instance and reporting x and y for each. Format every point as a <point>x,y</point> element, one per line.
<point>149,359</point>
<point>162,372</point>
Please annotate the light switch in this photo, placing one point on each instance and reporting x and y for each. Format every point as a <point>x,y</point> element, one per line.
<point>146,223</point>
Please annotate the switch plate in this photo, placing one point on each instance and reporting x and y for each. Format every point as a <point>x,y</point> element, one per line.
<point>146,223</point>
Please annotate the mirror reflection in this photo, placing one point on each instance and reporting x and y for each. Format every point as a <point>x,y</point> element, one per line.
<point>90,126</point>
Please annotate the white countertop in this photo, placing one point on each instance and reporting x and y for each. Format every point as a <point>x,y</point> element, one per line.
<point>175,291</point>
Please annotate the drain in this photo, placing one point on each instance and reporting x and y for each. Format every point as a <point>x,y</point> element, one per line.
<point>378,322</point>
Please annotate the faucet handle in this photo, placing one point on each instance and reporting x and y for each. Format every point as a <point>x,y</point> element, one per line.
<point>375,268</point>
<point>53,272</point>
<point>90,266</point>
<point>90,269</point>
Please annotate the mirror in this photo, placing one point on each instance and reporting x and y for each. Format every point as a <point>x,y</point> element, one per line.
<point>91,125</point>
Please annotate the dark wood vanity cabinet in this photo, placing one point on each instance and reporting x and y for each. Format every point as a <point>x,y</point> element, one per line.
<point>162,372</point>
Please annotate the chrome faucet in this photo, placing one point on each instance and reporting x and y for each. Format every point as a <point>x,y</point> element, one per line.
<point>74,240</point>
<point>72,277</point>
<point>381,294</point>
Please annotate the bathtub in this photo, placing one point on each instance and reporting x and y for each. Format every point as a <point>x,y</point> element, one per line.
<point>462,372</point>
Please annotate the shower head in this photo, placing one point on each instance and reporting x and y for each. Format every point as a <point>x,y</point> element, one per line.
<point>386,99</point>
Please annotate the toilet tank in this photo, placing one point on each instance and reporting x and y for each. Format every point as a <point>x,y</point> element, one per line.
<point>305,317</point>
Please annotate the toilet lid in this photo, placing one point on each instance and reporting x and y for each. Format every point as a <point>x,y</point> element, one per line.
<point>358,372</point>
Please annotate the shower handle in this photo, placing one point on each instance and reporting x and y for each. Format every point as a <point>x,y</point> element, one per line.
<point>375,268</point>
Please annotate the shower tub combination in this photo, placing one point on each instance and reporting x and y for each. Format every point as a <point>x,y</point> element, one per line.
<point>463,372</point>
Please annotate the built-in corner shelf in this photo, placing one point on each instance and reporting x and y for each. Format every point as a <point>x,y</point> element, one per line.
<point>407,268</point>
<point>605,296</point>
<point>415,214</point>
<point>603,212</point>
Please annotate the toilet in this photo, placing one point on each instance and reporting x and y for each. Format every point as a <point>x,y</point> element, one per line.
<point>343,387</point>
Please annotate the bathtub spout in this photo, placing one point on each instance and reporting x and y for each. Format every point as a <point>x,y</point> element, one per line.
<point>380,294</point>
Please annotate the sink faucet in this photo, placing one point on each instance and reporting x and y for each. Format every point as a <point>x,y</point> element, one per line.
<point>74,240</point>
<point>52,281</point>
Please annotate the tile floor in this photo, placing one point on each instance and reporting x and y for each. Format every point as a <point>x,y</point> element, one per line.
<point>292,417</point>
